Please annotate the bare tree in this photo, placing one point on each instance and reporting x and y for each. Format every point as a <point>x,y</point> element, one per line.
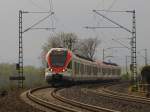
<point>88,47</point>
<point>65,40</point>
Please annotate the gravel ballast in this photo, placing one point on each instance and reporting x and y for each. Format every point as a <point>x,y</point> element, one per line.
<point>80,94</point>
<point>11,102</point>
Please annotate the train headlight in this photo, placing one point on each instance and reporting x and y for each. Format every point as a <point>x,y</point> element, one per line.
<point>63,70</point>
<point>51,70</point>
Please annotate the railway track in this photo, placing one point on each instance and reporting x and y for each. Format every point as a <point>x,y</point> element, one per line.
<point>72,106</point>
<point>105,91</point>
<point>123,96</point>
<point>122,99</point>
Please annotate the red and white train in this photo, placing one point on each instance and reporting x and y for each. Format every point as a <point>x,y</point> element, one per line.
<point>63,64</point>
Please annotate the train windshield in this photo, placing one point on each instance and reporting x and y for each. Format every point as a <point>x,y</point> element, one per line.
<point>58,58</point>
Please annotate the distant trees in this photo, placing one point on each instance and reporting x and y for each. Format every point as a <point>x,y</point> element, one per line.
<point>85,47</point>
<point>65,40</point>
<point>7,69</point>
<point>88,47</point>
<point>33,76</point>
<point>146,73</point>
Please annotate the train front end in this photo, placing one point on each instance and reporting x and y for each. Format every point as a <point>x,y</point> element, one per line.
<point>57,60</point>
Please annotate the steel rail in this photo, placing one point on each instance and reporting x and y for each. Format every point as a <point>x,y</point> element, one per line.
<point>79,104</point>
<point>122,96</point>
<point>61,108</point>
<point>127,97</point>
<point>47,104</point>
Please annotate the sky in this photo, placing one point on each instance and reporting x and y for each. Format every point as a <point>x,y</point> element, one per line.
<point>72,16</point>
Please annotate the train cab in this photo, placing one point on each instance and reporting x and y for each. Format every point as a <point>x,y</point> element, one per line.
<point>57,60</point>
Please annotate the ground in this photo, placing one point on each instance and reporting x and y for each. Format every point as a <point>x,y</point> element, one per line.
<point>11,102</point>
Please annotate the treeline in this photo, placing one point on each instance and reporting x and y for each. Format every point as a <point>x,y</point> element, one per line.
<point>33,76</point>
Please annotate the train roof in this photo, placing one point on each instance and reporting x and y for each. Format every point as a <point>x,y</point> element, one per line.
<point>102,63</point>
<point>108,63</point>
<point>83,57</point>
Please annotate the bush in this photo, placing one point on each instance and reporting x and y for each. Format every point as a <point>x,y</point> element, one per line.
<point>126,76</point>
<point>146,73</point>
<point>134,88</point>
<point>33,76</point>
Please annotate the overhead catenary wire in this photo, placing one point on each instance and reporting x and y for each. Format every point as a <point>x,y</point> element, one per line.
<point>112,4</point>
<point>122,44</point>
<point>38,22</point>
<point>36,5</point>
<point>112,21</point>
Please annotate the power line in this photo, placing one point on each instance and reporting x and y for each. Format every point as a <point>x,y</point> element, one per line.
<point>121,44</point>
<point>36,5</point>
<point>112,21</point>
<point>112,4</point>
<point>38,22</point>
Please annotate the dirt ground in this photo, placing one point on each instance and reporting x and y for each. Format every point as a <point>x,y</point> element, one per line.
<point>11,102</point>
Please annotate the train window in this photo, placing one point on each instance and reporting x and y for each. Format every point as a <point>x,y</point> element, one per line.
<point>79,68</point>
<point>113,71</point>
<point>89,69</point>
<point>99,71</point>
<point>82,69</point>
<point>116,71</point>
<point>58,58</point>
<point>104,71</point>
<point>108,71</point>
<point>69,65</point>
<point>85,69</point>
<point>119,72</point>
<point>95,70</point>
<point>76,68</point>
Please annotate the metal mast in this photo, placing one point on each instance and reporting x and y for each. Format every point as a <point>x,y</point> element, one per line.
<point>20,61</point>
<point>133,66</point>
<point>133,49</point>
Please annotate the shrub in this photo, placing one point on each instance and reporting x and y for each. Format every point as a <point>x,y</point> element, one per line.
<point>146,73</point>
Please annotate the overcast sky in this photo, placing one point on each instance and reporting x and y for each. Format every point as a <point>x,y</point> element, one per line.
<point>70,16</point>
